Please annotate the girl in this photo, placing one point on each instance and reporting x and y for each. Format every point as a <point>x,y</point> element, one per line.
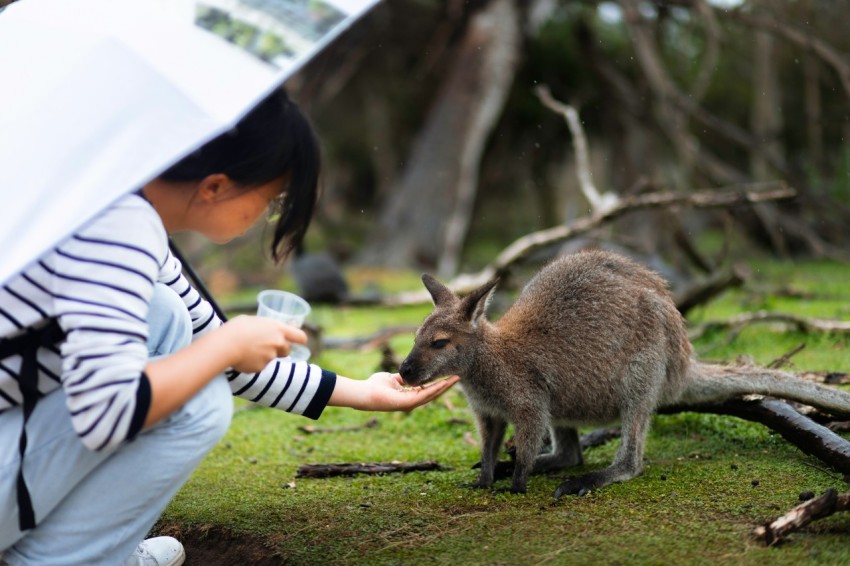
<point>116,376</point>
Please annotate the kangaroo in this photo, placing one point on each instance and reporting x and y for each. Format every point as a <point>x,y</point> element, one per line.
<point>592,338</point>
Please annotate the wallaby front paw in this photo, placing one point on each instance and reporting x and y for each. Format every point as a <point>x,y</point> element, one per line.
<point>573,486</point>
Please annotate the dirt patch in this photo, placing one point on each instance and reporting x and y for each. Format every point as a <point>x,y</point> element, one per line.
<point>208,545</point>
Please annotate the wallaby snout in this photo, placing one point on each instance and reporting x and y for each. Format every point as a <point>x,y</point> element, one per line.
<point>409,372</point>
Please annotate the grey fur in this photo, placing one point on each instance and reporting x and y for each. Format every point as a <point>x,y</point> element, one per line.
<point>594,337</point>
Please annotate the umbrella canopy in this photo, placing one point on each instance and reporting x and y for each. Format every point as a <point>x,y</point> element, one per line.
<point>100,96</point>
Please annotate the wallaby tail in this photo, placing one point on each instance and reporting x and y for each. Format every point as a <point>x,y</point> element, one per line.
<point>709,383</point>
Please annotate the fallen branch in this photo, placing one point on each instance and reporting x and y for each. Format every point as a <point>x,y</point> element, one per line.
<point>530,243</point>
<point>828,377</point>
<point>373,468</point>
<point>714,285</point>
<point>812,510</point>
<point>803,324</point>
<point>810,437</point>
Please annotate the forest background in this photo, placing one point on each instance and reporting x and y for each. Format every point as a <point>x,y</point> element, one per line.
<point>439,150</point>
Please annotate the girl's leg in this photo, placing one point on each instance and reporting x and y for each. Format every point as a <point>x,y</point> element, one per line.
<point>94,508</point>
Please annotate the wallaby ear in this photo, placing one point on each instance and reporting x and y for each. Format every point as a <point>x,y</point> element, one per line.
<point>474,305</point>
<point>439,292</point>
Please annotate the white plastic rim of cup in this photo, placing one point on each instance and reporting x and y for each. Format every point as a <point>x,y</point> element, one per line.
<point>284,306</point>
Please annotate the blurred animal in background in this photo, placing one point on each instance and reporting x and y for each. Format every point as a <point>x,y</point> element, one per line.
<point>319,277</point>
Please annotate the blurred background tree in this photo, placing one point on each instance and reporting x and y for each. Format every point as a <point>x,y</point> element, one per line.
<point>438,153</point>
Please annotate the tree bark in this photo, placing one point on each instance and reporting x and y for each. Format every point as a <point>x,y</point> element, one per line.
<point>812,510</point>
<point>439,183</point>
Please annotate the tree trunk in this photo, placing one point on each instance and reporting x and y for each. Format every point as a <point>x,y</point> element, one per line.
<point>428,214</point>
<point>767,116</point>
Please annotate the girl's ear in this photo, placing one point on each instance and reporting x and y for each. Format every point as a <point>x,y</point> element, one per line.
<point>213,187</point>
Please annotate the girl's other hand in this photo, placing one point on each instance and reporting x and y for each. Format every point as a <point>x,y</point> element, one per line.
<point>255,341</point>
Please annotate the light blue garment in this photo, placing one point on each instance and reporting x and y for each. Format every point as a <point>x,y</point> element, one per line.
<point>91,507</point>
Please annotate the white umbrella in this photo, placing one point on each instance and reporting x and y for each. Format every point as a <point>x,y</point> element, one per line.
<point>100,96</point>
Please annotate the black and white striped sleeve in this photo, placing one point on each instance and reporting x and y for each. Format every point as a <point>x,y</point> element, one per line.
<point>103,279</point>
<point>294,387</point>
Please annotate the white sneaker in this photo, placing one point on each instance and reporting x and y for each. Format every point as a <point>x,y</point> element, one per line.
<point>157,551</point>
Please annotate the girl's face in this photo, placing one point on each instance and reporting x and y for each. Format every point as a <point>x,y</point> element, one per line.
<point>230,210</point>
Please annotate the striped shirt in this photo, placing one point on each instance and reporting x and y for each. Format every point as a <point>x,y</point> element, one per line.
<point>98,284</point>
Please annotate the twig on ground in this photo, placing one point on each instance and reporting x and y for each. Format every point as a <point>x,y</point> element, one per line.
<point>819,507</point>
<point>784,358</point>
<point>349,469</point>
<point>310,429</point>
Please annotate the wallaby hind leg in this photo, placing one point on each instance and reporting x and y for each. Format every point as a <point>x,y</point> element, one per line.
<point>628,462</point>
<point>566,451</point>
<point>492,431</point>
<point>528,440</point>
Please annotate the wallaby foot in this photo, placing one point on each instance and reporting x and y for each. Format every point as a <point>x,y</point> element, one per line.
<point>573,486</point>
<point>628,462</point>
<point>585,483</point>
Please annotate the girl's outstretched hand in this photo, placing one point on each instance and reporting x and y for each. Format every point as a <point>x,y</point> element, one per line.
<point>385,392</point>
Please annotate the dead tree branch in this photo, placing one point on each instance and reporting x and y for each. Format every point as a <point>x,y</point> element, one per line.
<point>523,247</point>
<point>810,437</point>
<point>803,324</point>
<point>717,283</point>
<point>598,202</point>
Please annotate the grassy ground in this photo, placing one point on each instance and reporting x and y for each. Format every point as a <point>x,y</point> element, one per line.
<point>708,481</point>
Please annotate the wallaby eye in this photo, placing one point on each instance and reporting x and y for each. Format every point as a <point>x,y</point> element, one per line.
<point>439,344</point>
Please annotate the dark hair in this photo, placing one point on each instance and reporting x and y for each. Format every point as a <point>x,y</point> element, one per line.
<point>272,140</point>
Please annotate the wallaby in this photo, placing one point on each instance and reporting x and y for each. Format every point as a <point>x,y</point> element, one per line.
<point>592,338</point>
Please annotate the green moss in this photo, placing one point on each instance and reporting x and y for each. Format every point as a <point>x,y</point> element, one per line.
<point>709,479</point>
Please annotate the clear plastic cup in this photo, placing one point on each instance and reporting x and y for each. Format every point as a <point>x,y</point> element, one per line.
<point>288,308</point>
